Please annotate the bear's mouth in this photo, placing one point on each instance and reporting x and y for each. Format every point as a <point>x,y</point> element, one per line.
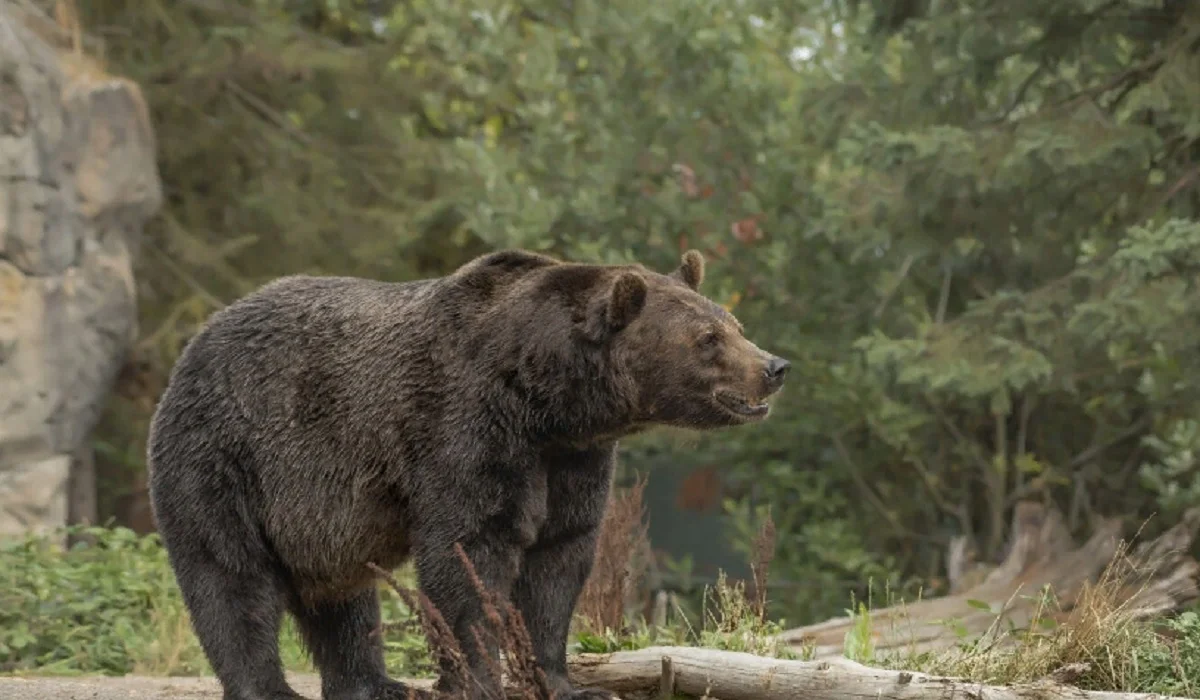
<point>742,406</point>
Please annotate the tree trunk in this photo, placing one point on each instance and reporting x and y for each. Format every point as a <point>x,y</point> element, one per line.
<point>1155,578</point>
<point>81,489</point>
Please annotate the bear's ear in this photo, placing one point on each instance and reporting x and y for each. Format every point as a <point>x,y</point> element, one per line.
<point>691,271</point>
<point>625,300</point>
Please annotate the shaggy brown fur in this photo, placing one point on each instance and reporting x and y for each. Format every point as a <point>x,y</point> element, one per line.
<point>319,424</point>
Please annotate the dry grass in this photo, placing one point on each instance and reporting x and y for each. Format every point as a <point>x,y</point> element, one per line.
<point>514,675</point>
<point>66,16</point>
<point>80,55</point>
<point>1100,642</point>
<point>762,552</point>
<point>57,23</point>
<point>173,648</point>
<point>619,564</point>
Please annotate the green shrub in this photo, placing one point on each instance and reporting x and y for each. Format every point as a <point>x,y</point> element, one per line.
<point>111,606</point>
<point>1170,665</point>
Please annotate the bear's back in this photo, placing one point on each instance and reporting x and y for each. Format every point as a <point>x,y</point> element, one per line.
<point>302,353</point>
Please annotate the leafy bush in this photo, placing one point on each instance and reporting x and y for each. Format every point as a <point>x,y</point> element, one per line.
<point>1171,666</point>
<point>110,605</point>
<point>106,607</point>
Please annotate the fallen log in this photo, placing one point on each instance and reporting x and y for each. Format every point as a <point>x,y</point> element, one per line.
<point>1154,578</point>
<point>729,675</point>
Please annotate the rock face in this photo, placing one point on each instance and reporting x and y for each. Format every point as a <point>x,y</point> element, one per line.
<point>78,179</point>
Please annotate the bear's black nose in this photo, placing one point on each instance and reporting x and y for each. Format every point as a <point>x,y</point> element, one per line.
<point>777,368</point>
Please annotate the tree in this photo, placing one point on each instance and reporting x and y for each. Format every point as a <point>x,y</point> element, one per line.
<point>970,226</point>
<point>1022,178</point>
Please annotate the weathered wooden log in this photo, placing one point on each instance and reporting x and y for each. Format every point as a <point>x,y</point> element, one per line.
<point>731,675</point>
<point>1153,578</point>
<point>654,672</point>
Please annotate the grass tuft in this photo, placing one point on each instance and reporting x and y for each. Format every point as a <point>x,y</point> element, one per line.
<point>1100,643</point>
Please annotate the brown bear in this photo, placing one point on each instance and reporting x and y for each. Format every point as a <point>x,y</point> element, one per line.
<point>322,423</point>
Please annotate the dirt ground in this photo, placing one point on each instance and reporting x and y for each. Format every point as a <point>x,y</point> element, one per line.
<point>132,688</point>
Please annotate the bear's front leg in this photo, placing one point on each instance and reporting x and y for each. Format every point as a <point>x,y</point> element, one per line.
<point>546,592</point>
<point>445,581</point>
<point>556,568</point>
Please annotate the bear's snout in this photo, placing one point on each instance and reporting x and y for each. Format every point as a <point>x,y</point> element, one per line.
<point>777,368</point>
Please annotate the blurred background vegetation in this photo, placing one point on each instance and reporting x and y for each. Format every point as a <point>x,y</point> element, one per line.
<point>970,225</point>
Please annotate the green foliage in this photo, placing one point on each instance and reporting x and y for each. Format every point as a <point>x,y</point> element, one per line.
<point>820,550</point>
<point>109,605</point>
<point>1171,664</point>
<point>108,608</point>
<point>971,226</point>
<point>1012,187</point>
<point>608,641</point>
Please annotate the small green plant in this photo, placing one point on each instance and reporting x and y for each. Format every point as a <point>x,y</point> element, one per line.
<point>735,623</point>
<point>607,641</point>
<point>859,644</point>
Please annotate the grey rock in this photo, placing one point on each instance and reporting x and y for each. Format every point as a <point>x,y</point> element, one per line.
<point>78,180</point>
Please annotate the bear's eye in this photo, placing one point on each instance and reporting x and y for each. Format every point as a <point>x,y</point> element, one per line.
<point>709,339</point>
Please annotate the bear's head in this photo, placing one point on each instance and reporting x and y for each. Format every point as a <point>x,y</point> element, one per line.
<point>687,359</point>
